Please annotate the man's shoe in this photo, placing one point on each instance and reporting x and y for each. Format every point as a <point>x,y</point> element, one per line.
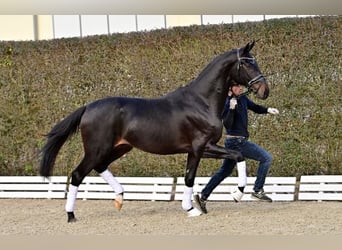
<point>260,195</point>
<point>200,203</point>
<point>236,194</point>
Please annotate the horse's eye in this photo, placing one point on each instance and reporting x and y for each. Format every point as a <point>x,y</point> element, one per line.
<point>253,62</point>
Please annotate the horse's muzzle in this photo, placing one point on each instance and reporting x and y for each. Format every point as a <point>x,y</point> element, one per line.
<point>261,89</point>
<point>263,92</point>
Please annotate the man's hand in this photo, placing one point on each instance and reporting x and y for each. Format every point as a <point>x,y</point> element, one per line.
<point>273,111</point>
<point>232,103</point>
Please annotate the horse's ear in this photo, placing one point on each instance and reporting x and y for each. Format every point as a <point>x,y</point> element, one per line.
<point>248,47</point>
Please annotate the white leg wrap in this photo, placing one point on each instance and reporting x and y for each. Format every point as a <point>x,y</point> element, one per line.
<point>112,181</point>
<point>236,194</point>
<point>186,202</point>
<point>242,175</point>
<point>71,198</point>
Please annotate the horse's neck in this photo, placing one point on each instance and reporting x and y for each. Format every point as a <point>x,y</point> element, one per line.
<point>212,83</point>
<point>218,97</point>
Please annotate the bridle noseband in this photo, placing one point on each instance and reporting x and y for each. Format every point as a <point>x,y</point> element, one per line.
<point>255,79</point>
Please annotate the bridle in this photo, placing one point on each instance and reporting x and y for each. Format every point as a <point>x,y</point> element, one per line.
<point>255,79</point>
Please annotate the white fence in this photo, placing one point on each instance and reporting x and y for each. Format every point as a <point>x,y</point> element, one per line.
<point>309,187</point>
<point>320,188</point>
<point>278,188</point>
<point>33,187</point>
<point>136,188</point>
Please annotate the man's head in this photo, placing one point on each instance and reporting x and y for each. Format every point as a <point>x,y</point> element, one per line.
<point>236,89</point>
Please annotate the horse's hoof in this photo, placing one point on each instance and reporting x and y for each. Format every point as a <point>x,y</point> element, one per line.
<point>193,212</point>
<point>72,220</point>
<point>71,217</point>
<point>236,194</point>
<point>118,202</point>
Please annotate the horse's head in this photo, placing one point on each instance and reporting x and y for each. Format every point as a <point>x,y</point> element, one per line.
<point>248,73</point>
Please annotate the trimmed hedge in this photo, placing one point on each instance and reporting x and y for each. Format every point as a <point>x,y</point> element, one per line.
<point>43,81</point>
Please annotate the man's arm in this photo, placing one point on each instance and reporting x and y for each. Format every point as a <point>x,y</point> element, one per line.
<point>261,109</point>
<point>228,117</point>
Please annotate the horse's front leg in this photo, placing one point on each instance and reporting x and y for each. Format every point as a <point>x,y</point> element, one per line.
<point>218,152</point>
<point>190,174</point>
<point>117,187</point>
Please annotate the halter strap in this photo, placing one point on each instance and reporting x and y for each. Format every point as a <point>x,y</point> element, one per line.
<point>242,58</point>
<point>254,80</point>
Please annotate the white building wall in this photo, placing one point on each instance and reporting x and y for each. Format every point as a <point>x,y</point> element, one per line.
<point>150,22</point>
<point>66,26</point>
<point>38,27</point>
<point>44,27</point>
<point>94,25</point>
<point>17,27</point>
<point>122,23</point>
<point>182,20</point>
<point>217,19</point>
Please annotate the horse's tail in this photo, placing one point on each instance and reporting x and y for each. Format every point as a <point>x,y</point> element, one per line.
<point>58,135</point>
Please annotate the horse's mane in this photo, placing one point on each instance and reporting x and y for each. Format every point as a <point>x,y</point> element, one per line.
<point>213,63</point>
<point>206,69</point>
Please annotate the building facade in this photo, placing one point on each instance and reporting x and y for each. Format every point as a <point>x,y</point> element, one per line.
<point>44,27</point>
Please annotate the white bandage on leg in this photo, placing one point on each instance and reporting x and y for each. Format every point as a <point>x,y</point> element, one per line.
<point>112,181</point>
<point>71,198</point>
<point>242,175</point>
<point>186,202</point>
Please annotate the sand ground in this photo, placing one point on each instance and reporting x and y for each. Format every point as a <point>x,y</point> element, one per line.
<point>99,217</point>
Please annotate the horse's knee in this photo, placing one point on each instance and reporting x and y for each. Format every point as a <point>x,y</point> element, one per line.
<point>189,181</point>
<point>101,169</point>
<point>235,155</point>
<point>239,157</point>
<point>76,178</point>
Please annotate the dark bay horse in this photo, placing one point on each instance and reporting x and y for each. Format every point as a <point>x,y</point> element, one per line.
<point>187,120</point>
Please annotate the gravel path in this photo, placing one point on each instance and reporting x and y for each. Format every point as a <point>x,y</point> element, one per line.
<point>99,217</point>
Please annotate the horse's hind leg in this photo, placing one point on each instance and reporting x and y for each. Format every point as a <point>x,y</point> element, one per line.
<point>77,177</point>
<point>110,178</point>
<point>70,204</point>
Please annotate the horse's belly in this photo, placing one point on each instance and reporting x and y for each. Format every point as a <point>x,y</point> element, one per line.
<point>164,151</point>
<point>162,147</point>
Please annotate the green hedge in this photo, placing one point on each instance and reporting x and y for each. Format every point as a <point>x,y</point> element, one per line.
<point>43,81</point>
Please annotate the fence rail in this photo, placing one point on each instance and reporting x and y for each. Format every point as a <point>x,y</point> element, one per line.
<point>320,187</point>
<point>309,187</point>
<point>278,188</point>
